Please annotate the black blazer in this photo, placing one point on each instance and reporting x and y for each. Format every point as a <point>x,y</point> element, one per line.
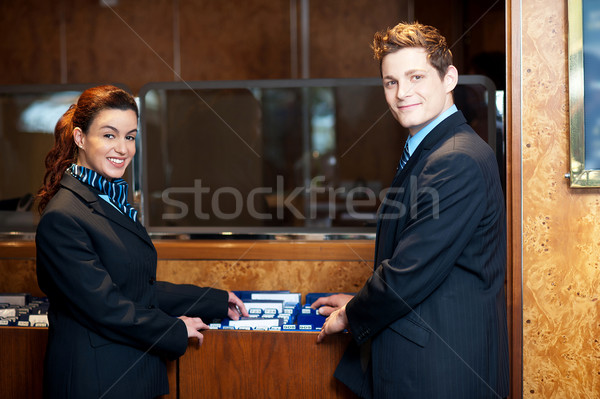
<point>431,320</point>
<point>111,322</point>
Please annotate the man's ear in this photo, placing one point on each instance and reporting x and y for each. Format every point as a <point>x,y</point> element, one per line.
<point>451,78</point>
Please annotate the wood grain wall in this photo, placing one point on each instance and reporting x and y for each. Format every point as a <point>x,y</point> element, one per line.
<point>298,266</point>
<point>135,42</point>
<point>561,226</point>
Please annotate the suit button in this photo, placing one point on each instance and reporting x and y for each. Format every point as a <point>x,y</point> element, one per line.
<point>150,306</point>
<point>151,280</point>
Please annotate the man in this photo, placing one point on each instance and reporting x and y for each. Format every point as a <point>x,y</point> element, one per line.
<point>431,320</point>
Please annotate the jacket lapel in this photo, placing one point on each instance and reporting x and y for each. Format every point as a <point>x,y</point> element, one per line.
<point>91,197</point>
<point>438,134</point>
<point>434,137</point>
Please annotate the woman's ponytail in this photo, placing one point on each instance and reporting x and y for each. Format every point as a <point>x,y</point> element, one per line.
<point>60,157</point>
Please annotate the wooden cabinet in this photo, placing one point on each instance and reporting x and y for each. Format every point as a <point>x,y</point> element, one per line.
<point>229,364</point>
<point>262,364</point>
<point>22,352</point>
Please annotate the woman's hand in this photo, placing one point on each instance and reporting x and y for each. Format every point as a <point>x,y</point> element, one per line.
<point>193,325</point>
<point>236,307</point>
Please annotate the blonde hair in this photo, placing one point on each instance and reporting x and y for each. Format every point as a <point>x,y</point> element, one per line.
<point>416,35</point>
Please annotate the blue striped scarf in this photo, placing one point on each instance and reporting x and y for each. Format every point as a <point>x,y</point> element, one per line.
<point>116,190</point>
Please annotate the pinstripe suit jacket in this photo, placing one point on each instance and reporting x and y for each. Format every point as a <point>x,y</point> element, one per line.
<point>431,320</point>
<point>111,322</point>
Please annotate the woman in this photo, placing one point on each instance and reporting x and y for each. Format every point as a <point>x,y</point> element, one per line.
<point>111,322</point>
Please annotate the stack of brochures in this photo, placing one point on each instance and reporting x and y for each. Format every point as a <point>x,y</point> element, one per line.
<point>268,311</point>
<point>23,310</point>
<point>274,311</point>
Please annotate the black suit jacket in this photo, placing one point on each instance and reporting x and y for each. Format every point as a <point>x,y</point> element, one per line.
<point>431,320</point>
<point>111,322</point>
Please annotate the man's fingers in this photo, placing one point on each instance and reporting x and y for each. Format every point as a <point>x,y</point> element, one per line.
<point>323,332</point>
<point>320,302</point>
<point>320,337</point>
<point>325,310</point>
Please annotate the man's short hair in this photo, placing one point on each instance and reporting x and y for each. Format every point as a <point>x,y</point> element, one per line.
<point>416,35</point>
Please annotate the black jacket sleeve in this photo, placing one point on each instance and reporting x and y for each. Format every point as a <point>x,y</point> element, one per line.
<point>449,201</point>
<point>72,273</point>
<point>190,300</point>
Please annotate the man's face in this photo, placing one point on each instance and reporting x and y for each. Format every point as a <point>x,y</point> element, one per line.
<point>413,89</point>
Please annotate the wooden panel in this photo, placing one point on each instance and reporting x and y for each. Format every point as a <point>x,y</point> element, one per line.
<point>240,364</point>
<point>30,45</point>
<point>514,276</point>
<point>352,250</point>
<point>298,266</point>
<point>296,276</point>
<point>18,275</point>
<point>341,34</point>
<point>18,249</point>
<point>83,41</point>
<point>245,364</point>
<point>356,250</point>
<point>124,43</point>
<point>22,352</point>
<point>561,272</point>
<point>245,40</point>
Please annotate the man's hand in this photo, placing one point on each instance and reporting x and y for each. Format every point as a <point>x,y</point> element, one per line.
<point>327,304</point>
<point>335,323</point>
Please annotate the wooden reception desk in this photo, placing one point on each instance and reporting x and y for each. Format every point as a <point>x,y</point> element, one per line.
<point>229,364</point>
<point>261,364</point>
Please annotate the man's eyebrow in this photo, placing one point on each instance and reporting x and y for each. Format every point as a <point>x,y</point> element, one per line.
<point>407,73</point>
<point>416,70</point>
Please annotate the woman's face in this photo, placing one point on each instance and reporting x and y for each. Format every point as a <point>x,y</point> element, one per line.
<point>109,145</point>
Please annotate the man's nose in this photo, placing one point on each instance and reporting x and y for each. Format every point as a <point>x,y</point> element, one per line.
<point>403,89</point>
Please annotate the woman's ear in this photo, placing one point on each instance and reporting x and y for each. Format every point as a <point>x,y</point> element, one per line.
<point>78,137</point>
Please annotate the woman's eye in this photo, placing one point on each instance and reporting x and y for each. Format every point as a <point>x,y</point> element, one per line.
<point>131,138</point>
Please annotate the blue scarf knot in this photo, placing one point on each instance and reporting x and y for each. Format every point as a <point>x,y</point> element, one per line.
<point>116,190</point>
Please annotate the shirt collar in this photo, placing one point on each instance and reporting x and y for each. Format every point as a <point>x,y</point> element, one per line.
<point>414,141</point>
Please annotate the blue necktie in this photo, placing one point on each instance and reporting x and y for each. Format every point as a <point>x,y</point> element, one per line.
<point>405,156</point>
